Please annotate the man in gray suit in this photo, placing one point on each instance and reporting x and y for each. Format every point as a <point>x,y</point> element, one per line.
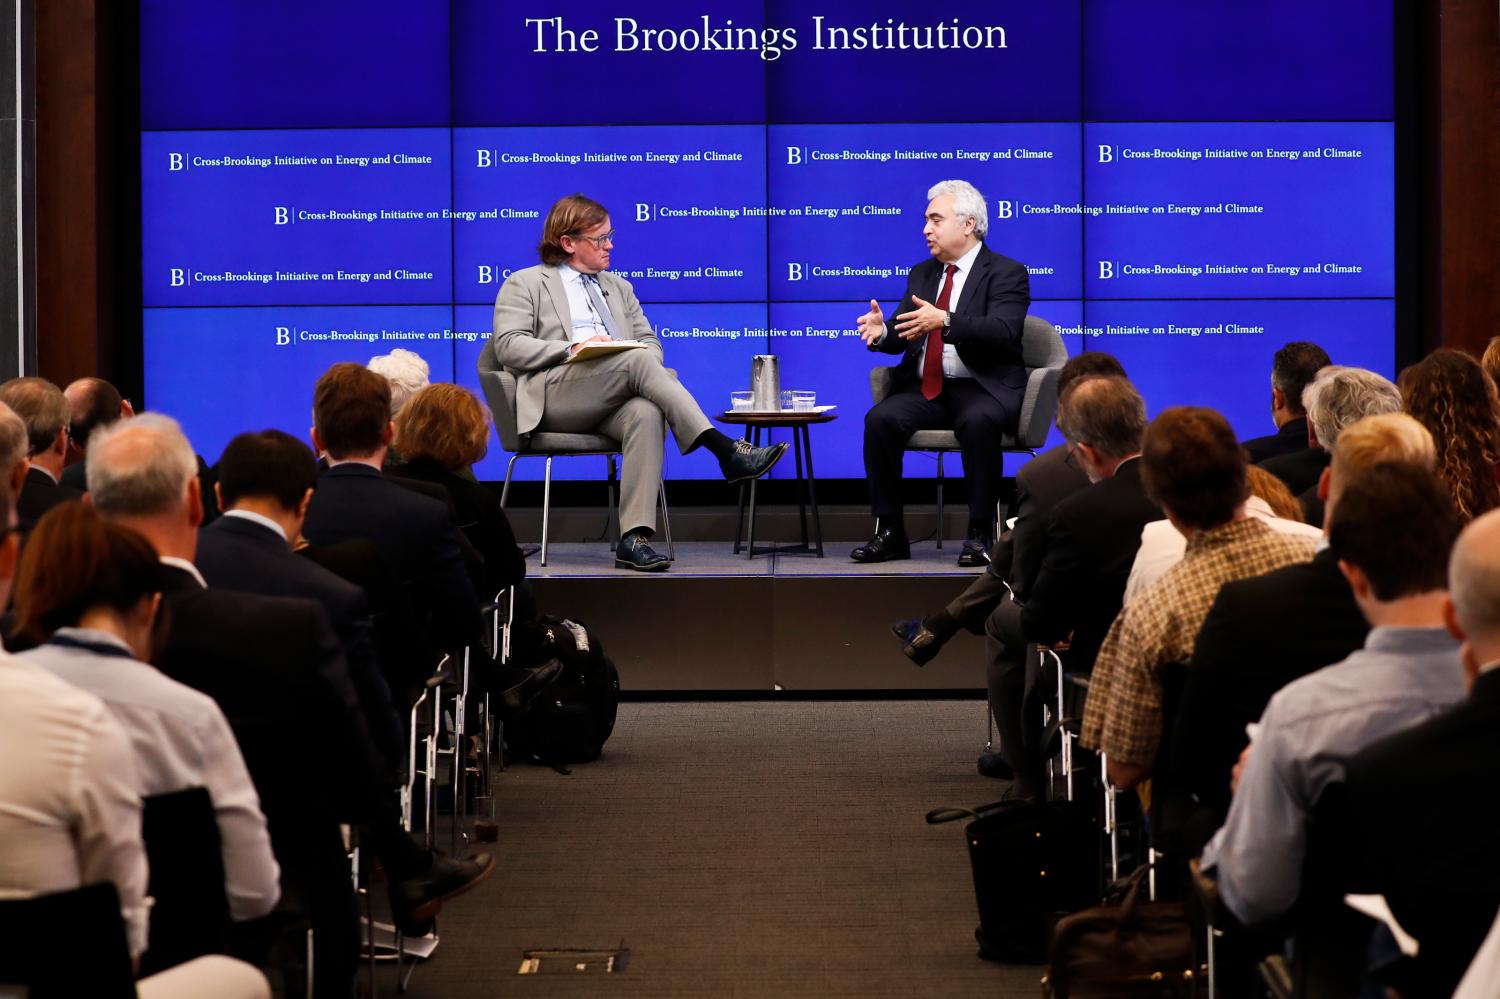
<point>544,317</point>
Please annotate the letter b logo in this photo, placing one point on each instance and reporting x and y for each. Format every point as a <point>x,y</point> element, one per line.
<point>1106,270</point>
<point>280,215</point>
<point>794,272</point>
<point>793,155</point>
<point>486,274</point>
<point>283,336</point>
<point>484,158</point>
<point>1106,154</point>
<point>1005,209</point>
<point>178,278</point>
<point>174,162</point>
<point>642,212</point>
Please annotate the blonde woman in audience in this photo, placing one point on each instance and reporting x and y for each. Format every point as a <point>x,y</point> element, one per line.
<point>1449,394</point>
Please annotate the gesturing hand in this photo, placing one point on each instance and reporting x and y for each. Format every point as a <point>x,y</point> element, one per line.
<point>920,321</point>
<point>871,325</point>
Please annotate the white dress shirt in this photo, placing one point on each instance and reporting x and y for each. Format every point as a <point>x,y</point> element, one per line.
<point>953,366</point>
<point>587,322</point>
<point>1162,545</point>
<point>256,518</point>
<point>70,808</point>
<point>181,740</point>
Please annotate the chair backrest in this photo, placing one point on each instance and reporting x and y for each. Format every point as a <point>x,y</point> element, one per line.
<point>66,944</point>
<point>499,388</point>
<point>190,914</point>
<point>1043,353</point>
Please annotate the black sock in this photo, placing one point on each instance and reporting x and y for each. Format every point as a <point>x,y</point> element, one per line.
<point>941,624</point>
<point>980,529</point>
<point>895,525</point>
<point>718,444</point>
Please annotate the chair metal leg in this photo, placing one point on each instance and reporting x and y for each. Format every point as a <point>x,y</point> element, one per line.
<point>510,467</point>
<point>612,512</point>
<point>666,519</point>
<point>939,531</point>
<point>546,508</point>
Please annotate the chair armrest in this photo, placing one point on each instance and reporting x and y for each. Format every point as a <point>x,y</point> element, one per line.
<point>499,388</point>
<point>1038,408</point>
<point>882,380</point>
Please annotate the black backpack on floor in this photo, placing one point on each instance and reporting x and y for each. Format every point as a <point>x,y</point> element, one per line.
<point>570,720</point>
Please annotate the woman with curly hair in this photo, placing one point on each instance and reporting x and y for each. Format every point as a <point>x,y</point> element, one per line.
<point>1450,394</point>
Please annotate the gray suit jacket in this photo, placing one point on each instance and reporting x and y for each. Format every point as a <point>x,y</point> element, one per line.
<point>533,327</point>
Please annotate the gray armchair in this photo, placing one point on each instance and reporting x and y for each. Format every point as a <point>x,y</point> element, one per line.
<point>499,388</point>
<point>1043,353</point>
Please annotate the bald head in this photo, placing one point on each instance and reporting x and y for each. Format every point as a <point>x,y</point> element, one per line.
<point>92,403</point>
<point>142,467</point>
<point>1474,589</point>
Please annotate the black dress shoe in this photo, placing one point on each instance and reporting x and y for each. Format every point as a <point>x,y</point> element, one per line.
<point>885,546</point>
<point>993,765</point>
<point>416,900</point>
<point>633,552</point>
<point>975,554</point>
<point>917,643</point>
<point>525,692</point>
<point>748,462</point>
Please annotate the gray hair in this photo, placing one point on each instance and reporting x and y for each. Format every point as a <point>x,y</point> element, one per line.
<point>1340,395</point>
<point>41,406</point>
<point>967,202</point>
<point>1474,576</point>
<point>139,467</point>
<point>1106,413</point>
<point>13,441</point>
<point>407,372</point>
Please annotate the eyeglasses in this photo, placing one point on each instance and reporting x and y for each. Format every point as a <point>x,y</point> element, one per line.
<point>598,241</point>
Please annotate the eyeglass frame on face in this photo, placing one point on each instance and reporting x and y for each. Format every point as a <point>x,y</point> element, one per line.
<point>598,241</point>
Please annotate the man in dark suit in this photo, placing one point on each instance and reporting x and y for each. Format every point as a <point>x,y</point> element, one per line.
<point>1433,857</point>
<point>1335,398</point>
<point>1041,484</point>
<point>92,403</point>
<point>41,406</point>
<point>276,669</point>
<point>1238,662</point>
<point>1091,543</point>
<point>1292,368</point>
<point>958,330</point>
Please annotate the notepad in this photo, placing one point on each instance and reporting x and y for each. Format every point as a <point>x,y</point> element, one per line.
<point>602,349</point>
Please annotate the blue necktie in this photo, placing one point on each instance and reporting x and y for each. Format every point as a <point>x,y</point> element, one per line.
<point>591,283</point>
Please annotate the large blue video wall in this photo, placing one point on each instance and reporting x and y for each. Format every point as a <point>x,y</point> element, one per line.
<point>1190,185</point>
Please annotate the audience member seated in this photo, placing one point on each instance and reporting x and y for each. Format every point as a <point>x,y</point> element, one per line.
<point>1292,368</point>
<point>1422,801</point>
<point>44,411</point>
<point>1163,545</point>
<point>441,432</point>
<point>1407,671</point>
<point>1239,661</point>
<point>415,534</point>
<point>1090,543</point>
<point>405,370</point>
<point>1336,398</point>
<point>88,592</point>
<point>1192,467</point>
<point>265,481</point>
<point>1449,394</point>
<point>70,804</point>
<point>1041,484</point>
<point>92,403</point>
<point>275,667</point>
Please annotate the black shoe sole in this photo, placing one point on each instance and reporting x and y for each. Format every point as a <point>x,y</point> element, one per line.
<point>780,451</point>
<point>884,558</point>
<point>653,567</point>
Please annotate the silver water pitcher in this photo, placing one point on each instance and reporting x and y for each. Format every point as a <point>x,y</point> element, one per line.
<point>765,383</point>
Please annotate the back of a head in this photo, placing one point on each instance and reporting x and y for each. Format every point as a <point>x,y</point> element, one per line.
<point>1090,363</point>
<point>1274,492</point>
<point>407,372</point>
<point>1193,466</point>
<point>1293,367</point>
<point>92,403</point>
<point>1474,579</point>
<point>1106,413</point>
<point>1384,437</point>
<point>1397,523</point>
<point>351,407</point>
<point>140,467</point>
<point>14,443</point>
<point>445,423</point>
<point>1449,394</point>
<point>1339,396</point>
<point>270,465</point>
<point>41,407</point>
<point>75,561</point>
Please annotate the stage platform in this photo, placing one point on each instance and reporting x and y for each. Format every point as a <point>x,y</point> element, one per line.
<point>720,625</point>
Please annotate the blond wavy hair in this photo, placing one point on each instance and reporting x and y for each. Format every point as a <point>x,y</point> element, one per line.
<point>1450,394</point>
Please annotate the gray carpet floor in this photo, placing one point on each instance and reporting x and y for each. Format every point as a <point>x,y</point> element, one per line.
<point>738,849</point>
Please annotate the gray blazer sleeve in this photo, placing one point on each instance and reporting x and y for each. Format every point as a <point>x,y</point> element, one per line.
<point>518,323</point>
